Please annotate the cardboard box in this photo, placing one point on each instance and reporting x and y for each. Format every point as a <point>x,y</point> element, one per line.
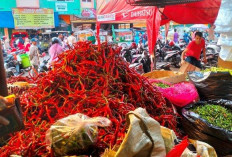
<point>168,76</point>
<point>187,67</point>
<point>224,64</point>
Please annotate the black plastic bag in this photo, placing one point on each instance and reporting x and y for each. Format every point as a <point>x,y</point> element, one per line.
<point>212,85</point>
<point>199,129</point>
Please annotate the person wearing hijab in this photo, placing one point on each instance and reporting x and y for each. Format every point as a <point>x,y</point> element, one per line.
<point>55,50</point>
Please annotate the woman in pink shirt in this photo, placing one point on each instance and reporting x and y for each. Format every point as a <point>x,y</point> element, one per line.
<point>54,50</point>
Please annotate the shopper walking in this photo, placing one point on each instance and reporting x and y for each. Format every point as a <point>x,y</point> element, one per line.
<point>54,51</point>
<point>176,36</point>
<point>72,39</point>
<point>146,61</point>
<point>34,55</point>
<point>61,39</point>
<point>193,52</point>
<point>186,37</point>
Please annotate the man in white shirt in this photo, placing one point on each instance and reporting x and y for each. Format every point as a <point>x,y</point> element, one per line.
<point>72,39</point>
<point>34,54</point>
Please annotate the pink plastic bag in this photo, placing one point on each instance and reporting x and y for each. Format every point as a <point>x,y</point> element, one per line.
<point>181,94</point>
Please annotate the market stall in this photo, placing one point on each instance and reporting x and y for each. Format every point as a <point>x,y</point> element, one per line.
<point>91,103</point>
<point>118,11</point>
<point>202,12</point>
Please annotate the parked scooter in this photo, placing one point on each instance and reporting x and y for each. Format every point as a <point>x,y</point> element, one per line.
<point>213,48</point>
<point>173,57</point>
<point>138,67</point>
<point>44,65</point>
<point>163,66</point>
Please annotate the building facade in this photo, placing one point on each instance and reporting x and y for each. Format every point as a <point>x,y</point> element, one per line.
<point>67,13</point>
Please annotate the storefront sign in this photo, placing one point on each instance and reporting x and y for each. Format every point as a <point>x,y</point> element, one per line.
<point>88,13</point>
<point>61,7</point>
<point>106,17</point>
<point>27,3</point>
<point>33,18</point>
<point>139,13</point>
<point>61,0</point>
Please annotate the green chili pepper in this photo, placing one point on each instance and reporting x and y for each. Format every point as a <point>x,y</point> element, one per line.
<point>215,115</point>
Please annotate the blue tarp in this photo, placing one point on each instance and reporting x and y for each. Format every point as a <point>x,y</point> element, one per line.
<point>7,20</point>
<point>56,19</point>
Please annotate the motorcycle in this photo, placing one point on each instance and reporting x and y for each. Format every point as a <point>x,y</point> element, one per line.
<point>44,65</point>
<point>213,48</point>
<point>173,57</point>
<point>138,67</point>
<point>13,64</point>
<point>163,66</point>
<point>212,59</point>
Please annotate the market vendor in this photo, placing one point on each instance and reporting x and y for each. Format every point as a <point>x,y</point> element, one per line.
<point>193,51</point>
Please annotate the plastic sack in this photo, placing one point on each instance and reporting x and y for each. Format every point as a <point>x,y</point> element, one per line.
<point>169,137</point>
<point>212,85</point>
<point>181,94</point>
<point>75,134</point>
<point>197,128</point>
<point>226,53</point>
<point>224,20</point>
<point>225,40</point>
<point>143,138</point>
<point>202,149</point>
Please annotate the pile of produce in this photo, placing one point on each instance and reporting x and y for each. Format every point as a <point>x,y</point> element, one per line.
<point>162,85</point>
<point>215,69</point>
<point>215,115</point>
<point>91,80</point>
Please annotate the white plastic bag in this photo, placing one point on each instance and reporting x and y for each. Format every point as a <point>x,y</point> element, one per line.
<point>226,53</point>
<point>225,39</point>
<point>74,134</point>
<point>224,19</point>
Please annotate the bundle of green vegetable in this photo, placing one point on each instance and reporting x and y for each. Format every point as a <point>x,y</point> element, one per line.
<point>162,85</point>
<point>216,115</point>
<point>215,69</point>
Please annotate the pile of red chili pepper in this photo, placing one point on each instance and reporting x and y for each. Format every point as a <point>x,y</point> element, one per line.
<point>91,80</point>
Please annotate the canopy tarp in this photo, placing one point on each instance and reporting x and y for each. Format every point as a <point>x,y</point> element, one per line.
<point>202,12</point>
<point>118,11</point>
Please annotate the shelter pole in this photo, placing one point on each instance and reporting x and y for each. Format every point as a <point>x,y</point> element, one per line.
<point>98,34</point>
<point>3,85</point>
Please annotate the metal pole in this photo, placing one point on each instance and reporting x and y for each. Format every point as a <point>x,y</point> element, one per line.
<point>154,59</point>
<point>3,84</point>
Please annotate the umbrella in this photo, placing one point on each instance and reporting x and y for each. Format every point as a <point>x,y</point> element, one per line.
<point>199,26</point>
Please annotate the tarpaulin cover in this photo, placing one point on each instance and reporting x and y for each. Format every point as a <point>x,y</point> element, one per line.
<point>212,85</point>
<point>115,11</point>
<point>202,12</point>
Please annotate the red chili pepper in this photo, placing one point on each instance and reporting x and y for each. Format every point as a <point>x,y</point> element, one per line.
<point>91,80</point>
